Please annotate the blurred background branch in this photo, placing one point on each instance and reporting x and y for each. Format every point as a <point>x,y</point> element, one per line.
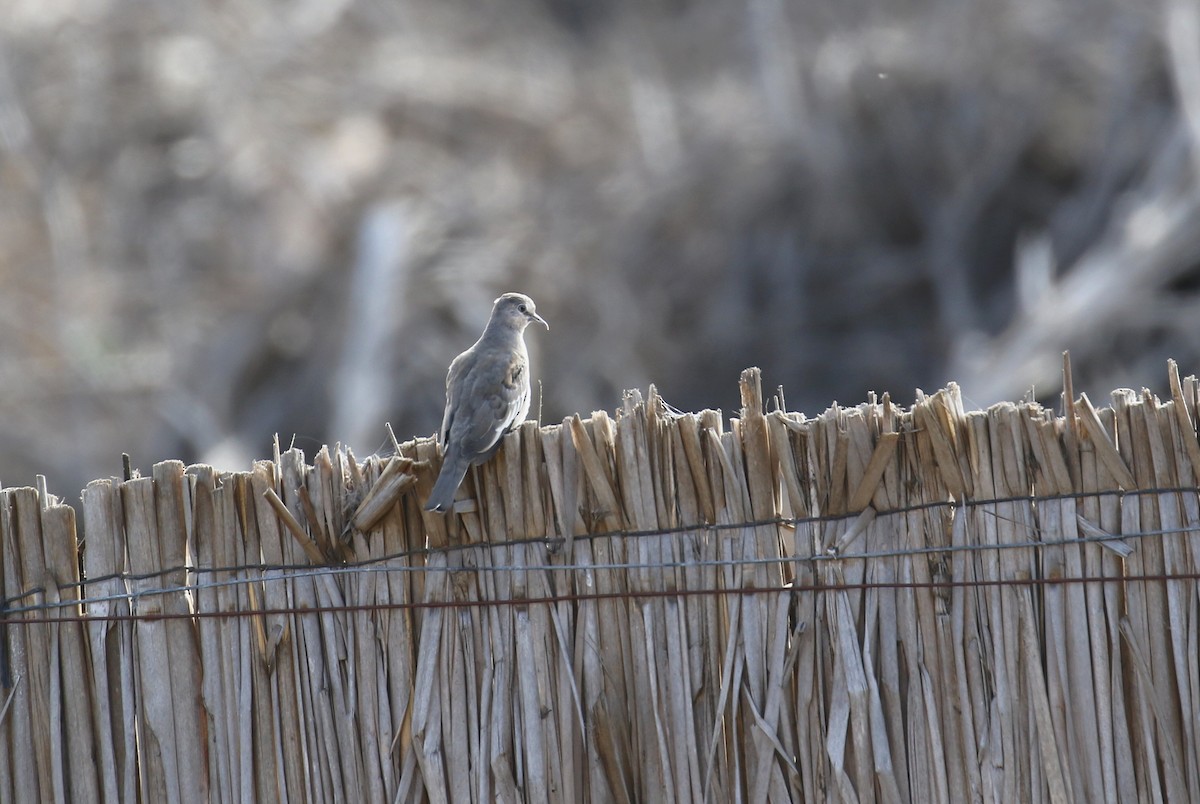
<point>225,221</point>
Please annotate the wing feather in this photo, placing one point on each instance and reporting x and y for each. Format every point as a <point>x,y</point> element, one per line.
<point>498,393</point>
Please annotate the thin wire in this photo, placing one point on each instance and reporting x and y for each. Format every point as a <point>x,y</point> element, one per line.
<point>645,594</point>
<point>380,564</point>
<point>633,534</point>
<point>312,572</point>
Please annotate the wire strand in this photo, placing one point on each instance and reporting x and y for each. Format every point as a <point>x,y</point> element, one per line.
<point>645,594</point>
<point>384,564</point>
<point>290,573</point>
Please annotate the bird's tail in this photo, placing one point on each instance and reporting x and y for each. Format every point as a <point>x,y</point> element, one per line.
<point>454,469</point>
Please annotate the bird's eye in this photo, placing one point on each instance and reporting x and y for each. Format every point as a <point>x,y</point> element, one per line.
<point>522,309</point>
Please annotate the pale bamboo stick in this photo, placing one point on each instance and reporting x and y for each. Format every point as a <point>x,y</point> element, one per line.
<point>1161,727</point>
<point>804,709</point>
<point>74,718</point>
<point>964,608</point>
<point>1110,515</point>
<point>279,678</point>
<point>503,746</point>
<point>1109,723</point>
<point>33,663</point>
<point>218,660</point>
<point>1149,783</point>
<point>891,744</point>
<point>1180,595</point>
<point>1186,560</point>
<point>368,690</point>
<point>158,764</point>
<point>702,614</point>
<point>397,635</point>
<point>110,643</point>
<point>184,659</point>
<point>602,776</point>
<point>308,633</point>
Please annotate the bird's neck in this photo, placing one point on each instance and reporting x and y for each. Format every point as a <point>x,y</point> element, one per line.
<point>499,331</point>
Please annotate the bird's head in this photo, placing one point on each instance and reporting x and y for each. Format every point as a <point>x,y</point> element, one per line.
<point>517,310</point>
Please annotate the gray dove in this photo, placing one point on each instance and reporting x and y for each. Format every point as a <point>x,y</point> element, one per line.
<point>487,394</point>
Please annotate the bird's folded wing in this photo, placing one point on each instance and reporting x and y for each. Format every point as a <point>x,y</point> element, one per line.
<point>459,368</point>
<point>493,397</point>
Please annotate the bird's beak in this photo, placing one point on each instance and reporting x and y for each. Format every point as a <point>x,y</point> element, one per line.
<point>541,321</point>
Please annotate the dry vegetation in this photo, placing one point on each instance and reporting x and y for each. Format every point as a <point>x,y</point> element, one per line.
<point>220,221</point>
<point>614,614</point>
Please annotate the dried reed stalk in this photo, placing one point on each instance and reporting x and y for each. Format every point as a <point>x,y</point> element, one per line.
<point>545,641</point>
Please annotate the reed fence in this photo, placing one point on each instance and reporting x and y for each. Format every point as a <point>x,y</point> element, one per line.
<point>876,604</point>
